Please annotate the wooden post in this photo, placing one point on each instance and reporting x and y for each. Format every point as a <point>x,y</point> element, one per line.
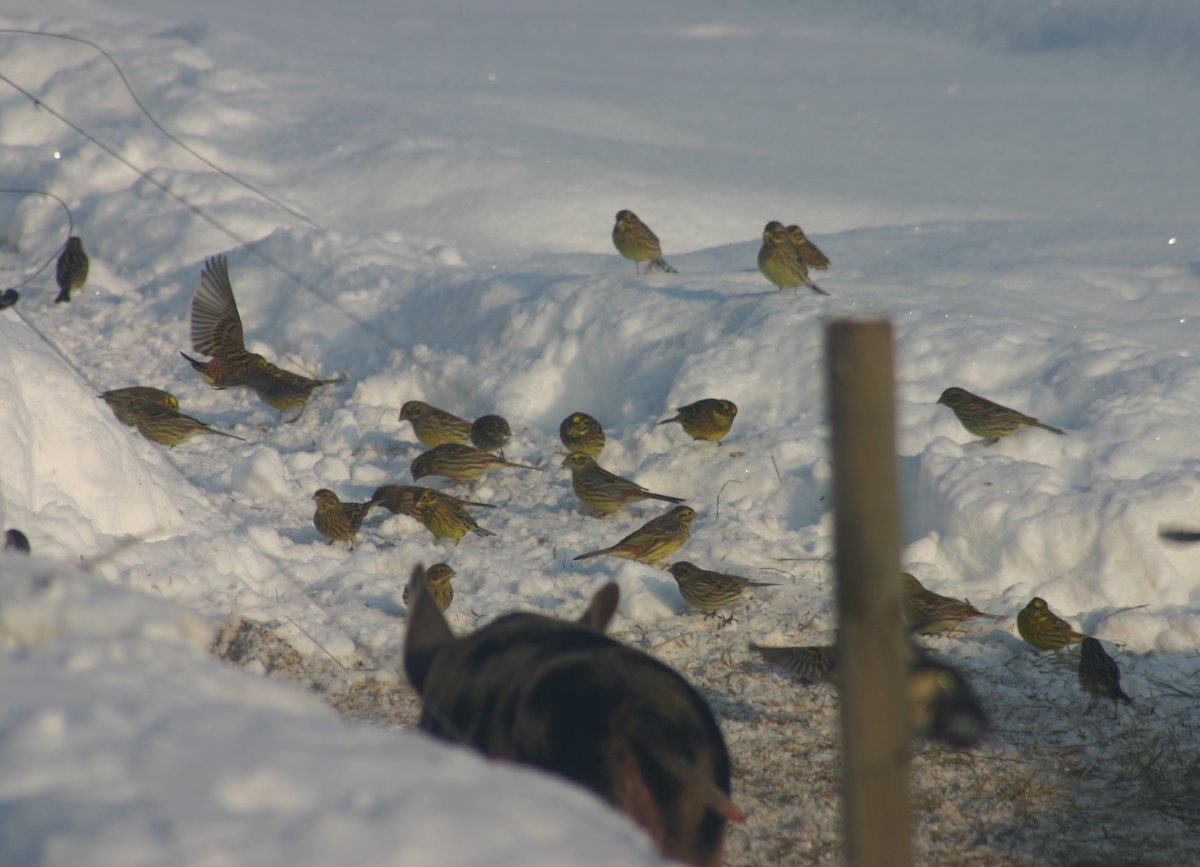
<point>871,646</point>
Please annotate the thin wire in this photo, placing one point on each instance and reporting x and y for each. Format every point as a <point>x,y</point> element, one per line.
<point>242,241</point>
<point>280,566</point>
<point>128,87</point>
<point>63,246</point>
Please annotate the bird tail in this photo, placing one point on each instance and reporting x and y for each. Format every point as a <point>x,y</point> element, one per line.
<point>750,583</point>
<point>522,466</point>
<point>664,498</point>
<point>817,290</point>
<point>480,505</point>
<point>63,295</point>
<point>661,264</point>
<point>669,420</point>
<point>591,554</point>
<point>198,365</point>
<point>1049,428</point>
<point>479,531</point>
<point>223,434</point>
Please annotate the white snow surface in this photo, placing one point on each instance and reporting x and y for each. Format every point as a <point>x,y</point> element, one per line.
<point>1024,212</point>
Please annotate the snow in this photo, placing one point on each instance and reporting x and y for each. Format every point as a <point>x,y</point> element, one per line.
<point>1014,191</point>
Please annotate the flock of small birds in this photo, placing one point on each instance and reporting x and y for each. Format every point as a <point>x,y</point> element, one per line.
<point>460,450</point>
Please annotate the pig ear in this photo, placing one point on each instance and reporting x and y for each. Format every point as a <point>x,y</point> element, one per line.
<point>427,631</point>
<point>601,609</point>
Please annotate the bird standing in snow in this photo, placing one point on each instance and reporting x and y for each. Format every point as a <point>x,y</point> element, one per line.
<point>634,240</point>
<point>1044,629</point>
<point>655,540</point>
<point>927,612</point>
<point>169,427</point>
<point>338,521</point>
<point>580,432</point>
<point>438,575</point>
<point>491,433</point>
<point>710,591</point>
<point>217,332</point>
<point>781,261</point>
<point>125,403</point>
<point>810,253</point>
<point>445,518</point>
<point>72,270</point>
<point>985,418</point>
<point>604,492</point>
<point>435,427</point>
<point>708,419</point>
<point>458,462</point>
<point>1098,673</point>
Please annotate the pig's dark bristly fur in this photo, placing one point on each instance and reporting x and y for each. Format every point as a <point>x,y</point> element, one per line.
<point>563,697</point>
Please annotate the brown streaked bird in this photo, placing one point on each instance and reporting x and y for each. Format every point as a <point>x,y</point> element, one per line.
<point>491,433</point>
<point>402,499</point>
<point>927,612</point>
<point>72,270</point>
<point>438,575</point>
<point>634,240</point>
<point>458,462</point>
<point>446,519</point>
<point>217,331</point>
<point>708,419</point>
<point>1044,629</point>
<point>169,427</point>
<point>987,419</point>
<point>435,427</point>
<point>780,261</point>
<point>709,591</point>
<point>125,402</point>
<point>812,664</point>
<point>654,541</point>
<point>810,253</point>
<point>580,432</point>
<point>1098,673</point>
<point>604,492</point>
<point>14,540</point>
<point>338,521</point>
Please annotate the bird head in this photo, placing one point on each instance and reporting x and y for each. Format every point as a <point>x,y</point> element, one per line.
<point>686,514</point>
<point>682,569</point>
<point>326,497</point>
<point>577,461</point>
<point>439,573</point>
<point>773,231</point>
<point>626,217</point>
<point>910,582</point>
<point>420,466</point>
<point>796,234</point>
<point>953,397</point>
<point>1037,603</point>
<point>413,409</point>
<point>726,409</point>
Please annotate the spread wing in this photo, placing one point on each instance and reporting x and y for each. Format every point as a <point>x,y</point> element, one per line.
<point>216,325</point>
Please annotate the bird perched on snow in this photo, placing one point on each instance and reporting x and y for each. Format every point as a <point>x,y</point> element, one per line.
<point>402,499</point>
<point>438,575</point>
<point>781,262</point>
<point>126,402</point>
<point>458,462</point>
<point>217,332</point>
<point>987,419</point>
<point>927,612</point>
<point>604,492</point>
<point>169,427</point>
<point>490,433</point>
<point>338,521</point>
<point>812,664</point>
<point>708,419</point>
<point>634,240</point>
<point>810,253</point>
<point>580,432</point>
<point>445,518</point>
<point>655,540</point>
<point>710,591</point>
<point>72,270</point>
<point>14,540</point>
<point>1044,629</point>
<point>1098,673</point>
<point>435,427</point>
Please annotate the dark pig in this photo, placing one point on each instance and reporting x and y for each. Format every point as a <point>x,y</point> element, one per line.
<point>562,696</point>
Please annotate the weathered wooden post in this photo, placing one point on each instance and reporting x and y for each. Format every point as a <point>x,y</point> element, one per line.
<point>871,644</point>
